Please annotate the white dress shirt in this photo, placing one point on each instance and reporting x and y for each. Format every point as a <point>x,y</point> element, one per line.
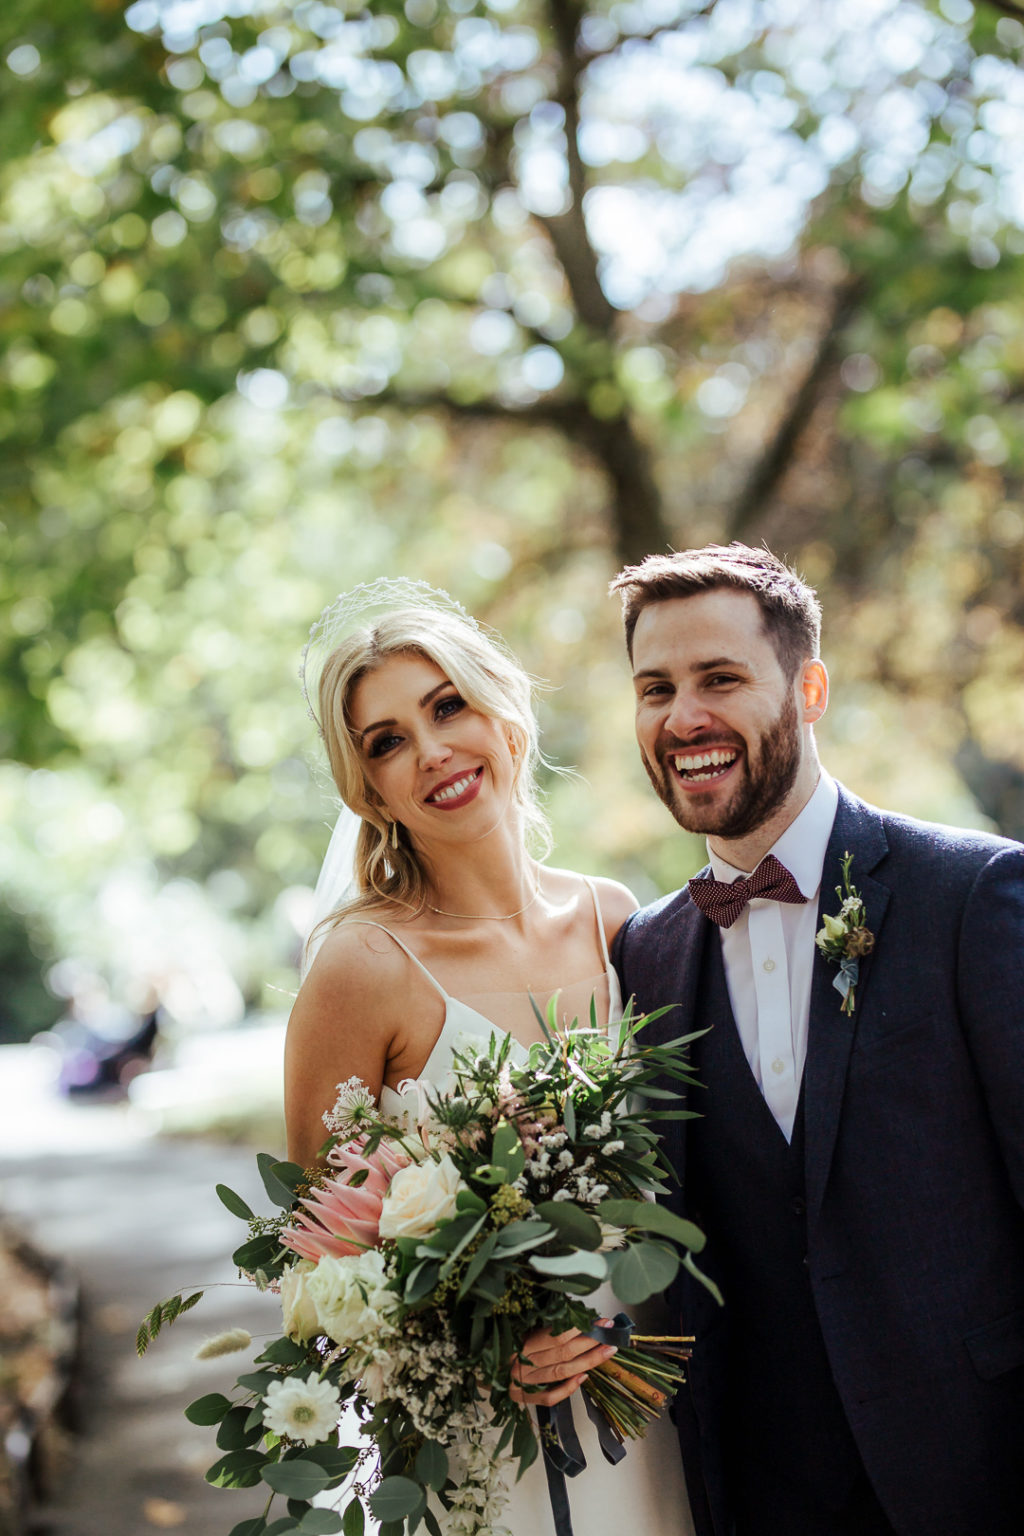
<point>769,954</point>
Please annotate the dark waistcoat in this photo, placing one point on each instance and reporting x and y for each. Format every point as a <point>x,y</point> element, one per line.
<point>786,1433</point>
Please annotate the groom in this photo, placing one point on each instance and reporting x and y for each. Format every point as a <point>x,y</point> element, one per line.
<point>858,1167</point>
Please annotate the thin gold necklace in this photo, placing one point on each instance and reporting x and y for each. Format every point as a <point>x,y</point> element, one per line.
<point>490,917</point>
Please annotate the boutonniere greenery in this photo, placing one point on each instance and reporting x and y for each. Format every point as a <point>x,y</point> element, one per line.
<point>846,936</point>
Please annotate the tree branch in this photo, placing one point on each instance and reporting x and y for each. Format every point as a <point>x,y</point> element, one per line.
<point>568,416</point>
<point>1008,8</point>
<point>588,55</point>
<point>568,231</point>
<point>777,456</point>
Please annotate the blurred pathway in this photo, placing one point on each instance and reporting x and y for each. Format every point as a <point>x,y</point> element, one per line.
<point>137,1219</point>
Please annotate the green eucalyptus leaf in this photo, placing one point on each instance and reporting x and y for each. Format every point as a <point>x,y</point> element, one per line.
<point>524,1443</point>
<point>257,1381</point>
<point>273,1182</point>
<point>641,1270</point>
<point>563,1265</point>
<point>519,1236</point>
<point>255,1527</point>
<point>645,1217</point>
<point>396,1498</point>
<point>477,1264</point>
<point>235,1204</point>
<point>208,1410</point>
<point>320,1522</point>
<point>336,1460</point>
<point>238,1469</point>
<point>432,1465</point>
<point>257,1253</point>
<point>353,1521</point>
<point>283,1352</point>
<point>421,1281</point>
<point>572,1225</point>
<point>705,1280</point>
<point>297,1478</point>
<point>236,1433</point>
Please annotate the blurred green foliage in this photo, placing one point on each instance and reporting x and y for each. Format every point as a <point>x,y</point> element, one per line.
<point>296,293</point>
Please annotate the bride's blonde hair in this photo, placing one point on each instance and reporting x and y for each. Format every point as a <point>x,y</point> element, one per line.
<point>488,677</point>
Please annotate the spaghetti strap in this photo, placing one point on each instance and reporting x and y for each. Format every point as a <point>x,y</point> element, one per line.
<point>367,922</point>
<point>592,888</point>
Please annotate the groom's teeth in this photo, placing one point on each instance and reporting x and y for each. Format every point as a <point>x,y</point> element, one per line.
<point>693,764</point>
<point>453,791</point>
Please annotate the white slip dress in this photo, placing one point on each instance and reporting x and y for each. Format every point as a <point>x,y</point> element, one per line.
<point>645,1493</point>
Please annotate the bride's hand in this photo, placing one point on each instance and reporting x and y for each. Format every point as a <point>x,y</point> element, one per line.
<point>552,1365</point>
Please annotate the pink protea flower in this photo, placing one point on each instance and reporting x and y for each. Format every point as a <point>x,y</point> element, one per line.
<point>338,1219</point>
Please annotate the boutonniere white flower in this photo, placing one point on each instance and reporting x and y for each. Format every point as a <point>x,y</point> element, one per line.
<point>846,936</point>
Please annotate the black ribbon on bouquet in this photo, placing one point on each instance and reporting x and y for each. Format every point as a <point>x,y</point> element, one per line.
<point>563,1454</point>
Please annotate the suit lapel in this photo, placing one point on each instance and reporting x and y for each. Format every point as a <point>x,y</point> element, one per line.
<point>858,829</point>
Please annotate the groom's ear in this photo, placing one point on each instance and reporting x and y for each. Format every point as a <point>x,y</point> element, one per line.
<point>814,688</point>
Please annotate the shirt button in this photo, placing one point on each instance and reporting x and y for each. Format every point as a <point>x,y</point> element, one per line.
<point>768,965</point>
<point>778,1065</point>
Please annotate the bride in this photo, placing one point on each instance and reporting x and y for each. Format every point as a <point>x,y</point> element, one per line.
<point>451,929</point>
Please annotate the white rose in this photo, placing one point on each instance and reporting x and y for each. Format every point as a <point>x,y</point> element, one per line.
<point>300,1316</point>
<point>420,1197</point>
<point>350,1296</point>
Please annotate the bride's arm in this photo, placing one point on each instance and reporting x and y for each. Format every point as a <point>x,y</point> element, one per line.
<point>344,1024</point>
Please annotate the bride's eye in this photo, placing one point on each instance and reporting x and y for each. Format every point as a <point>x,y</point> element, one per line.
<point>381,744</point>
<point>450,705</point>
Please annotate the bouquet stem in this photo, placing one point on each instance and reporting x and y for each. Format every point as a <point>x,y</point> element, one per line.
<point>632,1387</point>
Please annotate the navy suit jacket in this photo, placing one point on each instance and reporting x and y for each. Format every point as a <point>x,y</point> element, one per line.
<point>914,1168</point>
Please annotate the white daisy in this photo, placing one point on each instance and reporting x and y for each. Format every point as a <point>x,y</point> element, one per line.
<point>303,1410</point>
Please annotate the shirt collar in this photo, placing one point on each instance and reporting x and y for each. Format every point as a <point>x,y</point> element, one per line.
<point>802,846</point>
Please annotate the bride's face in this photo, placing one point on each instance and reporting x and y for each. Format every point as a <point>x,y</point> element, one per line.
<point>441,769</point>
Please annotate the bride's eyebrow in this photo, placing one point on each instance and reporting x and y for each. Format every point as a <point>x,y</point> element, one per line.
<point>426,699</point>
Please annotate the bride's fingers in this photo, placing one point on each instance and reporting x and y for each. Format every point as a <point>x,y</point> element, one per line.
<point>545,1398</point>
<point>550,1373</point>
<point>543,1350</point>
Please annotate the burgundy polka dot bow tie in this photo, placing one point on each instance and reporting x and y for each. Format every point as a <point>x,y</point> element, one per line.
<point>723,902</point>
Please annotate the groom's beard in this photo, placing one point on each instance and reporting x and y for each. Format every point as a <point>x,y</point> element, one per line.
<point>757,796</point>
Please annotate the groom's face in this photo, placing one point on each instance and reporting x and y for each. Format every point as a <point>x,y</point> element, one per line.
<point>718,721</point>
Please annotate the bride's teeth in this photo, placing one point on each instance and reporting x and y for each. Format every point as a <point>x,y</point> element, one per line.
<point>453,791</point>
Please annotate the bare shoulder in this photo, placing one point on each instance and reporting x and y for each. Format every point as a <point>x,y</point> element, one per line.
<point>357,963</point>
<point>615,900</point>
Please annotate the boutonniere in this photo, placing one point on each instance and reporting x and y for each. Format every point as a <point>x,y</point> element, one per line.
<point>846,936</point>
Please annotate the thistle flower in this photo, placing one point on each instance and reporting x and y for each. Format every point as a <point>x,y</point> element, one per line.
<point>224,1344</point>
<point>303,1410</point>
<point>353,1105</point>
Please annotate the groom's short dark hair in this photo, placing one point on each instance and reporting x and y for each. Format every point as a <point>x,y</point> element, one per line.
<point>789,607</point>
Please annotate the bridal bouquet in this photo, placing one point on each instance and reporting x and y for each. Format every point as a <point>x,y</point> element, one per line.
<point>412,1269</point>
